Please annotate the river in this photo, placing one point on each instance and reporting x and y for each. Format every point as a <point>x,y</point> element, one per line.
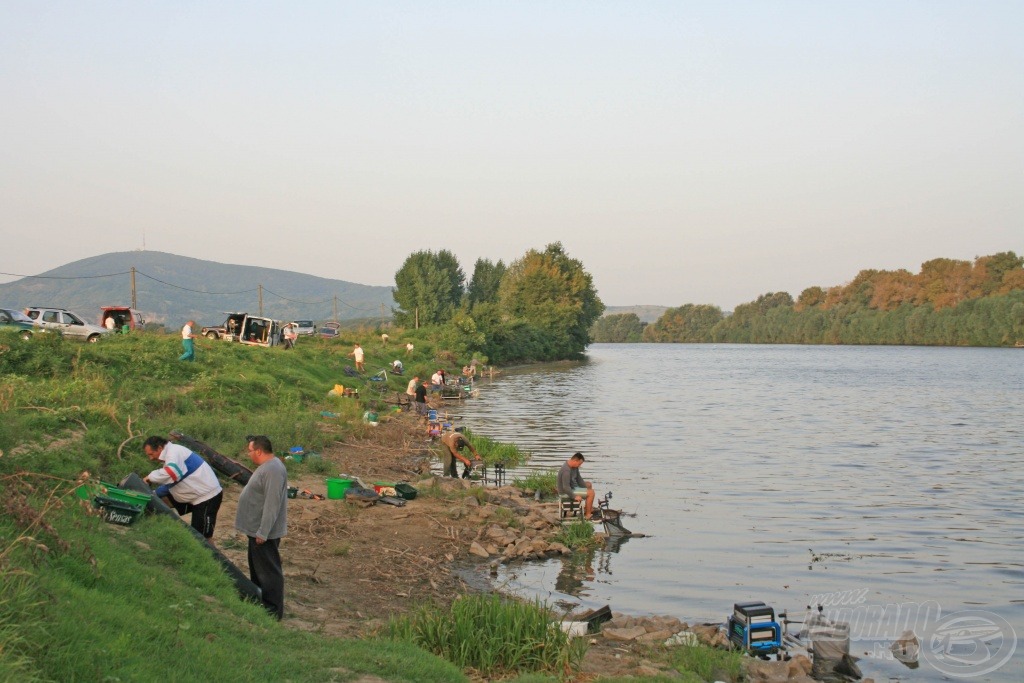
<point>882,482</point>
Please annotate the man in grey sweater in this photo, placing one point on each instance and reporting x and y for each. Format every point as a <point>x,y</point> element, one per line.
<point>263,517</point>
<point>572,485</point>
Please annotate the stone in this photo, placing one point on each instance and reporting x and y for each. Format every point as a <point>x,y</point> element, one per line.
<point>682,638</point>
<point>906,648</point>
<point>705,632</point>
<point>623,634</point>
<point>799,665</point>
<point>478,550</point>
<point>766,672</point>
<point>654,636</point>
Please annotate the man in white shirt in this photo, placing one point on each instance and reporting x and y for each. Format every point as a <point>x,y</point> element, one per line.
<point>188,342</point>
<point>186,481</point>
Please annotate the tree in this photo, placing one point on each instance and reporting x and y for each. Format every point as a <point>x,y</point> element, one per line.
<point>428,288</point>
<point>554,294</point>
<point>617,328</point>
<point>483,288</point>
<point>810,297</point>
<point>690,323</point>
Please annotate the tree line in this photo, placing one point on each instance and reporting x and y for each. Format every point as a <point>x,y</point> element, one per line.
<point>949,302</point>
<point>538,308</point>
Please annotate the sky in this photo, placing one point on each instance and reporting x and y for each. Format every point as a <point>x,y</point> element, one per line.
<point>684,151</point>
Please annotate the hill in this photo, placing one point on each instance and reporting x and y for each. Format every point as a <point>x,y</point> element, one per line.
<point>171,289</point>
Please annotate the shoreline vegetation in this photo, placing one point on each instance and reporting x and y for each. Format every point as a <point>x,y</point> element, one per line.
<point>948,303</point>
<point>74,412</point>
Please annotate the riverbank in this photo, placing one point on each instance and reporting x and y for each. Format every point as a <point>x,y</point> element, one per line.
<point>350,567</point>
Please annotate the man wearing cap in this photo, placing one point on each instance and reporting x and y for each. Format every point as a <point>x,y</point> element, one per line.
<point>572,485</point>
<point>186,481</point>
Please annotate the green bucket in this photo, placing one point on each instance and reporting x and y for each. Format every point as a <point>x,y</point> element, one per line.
<point>336,488</point>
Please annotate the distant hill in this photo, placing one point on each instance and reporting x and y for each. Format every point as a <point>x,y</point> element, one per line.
<point>171,289</point>
<point>647,314</point>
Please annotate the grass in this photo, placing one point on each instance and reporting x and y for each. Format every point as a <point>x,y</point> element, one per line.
<point>67,408</point>
<point>577,535</point>
<point>545,481</point>
<point>493,452</point>
<point>491,636</point>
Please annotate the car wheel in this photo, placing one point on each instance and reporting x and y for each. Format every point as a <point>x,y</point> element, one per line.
<point>93,338</point>
<point>26,334</point>
<point>211,335</point>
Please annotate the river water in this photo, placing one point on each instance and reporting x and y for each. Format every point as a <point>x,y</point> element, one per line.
<point>884,483</point>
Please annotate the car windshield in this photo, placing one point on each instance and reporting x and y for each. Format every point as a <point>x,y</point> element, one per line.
<point>20,317</point>
<point>304,323</point>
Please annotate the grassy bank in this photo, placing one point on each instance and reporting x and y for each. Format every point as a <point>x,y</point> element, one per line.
<point>84,600</point>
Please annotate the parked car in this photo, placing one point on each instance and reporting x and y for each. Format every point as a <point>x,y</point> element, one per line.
<point>260,331</point>
<point>228,331</point>
<point>13,319</point>
<point>123,316</point>
<point>65,322</point>
<point>329,330</point>
<point>304,328</point>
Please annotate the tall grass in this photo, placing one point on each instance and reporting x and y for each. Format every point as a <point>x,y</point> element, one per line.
<point>492,636</point>
<point>577,535</point>
<point>545,481</point>
<point>493,452</point>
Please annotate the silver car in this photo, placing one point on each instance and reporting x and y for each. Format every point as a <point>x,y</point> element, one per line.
<point>67,323</point>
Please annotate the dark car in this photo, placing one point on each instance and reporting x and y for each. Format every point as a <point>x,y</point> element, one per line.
<point>13,319</point>
<point>329,330</point>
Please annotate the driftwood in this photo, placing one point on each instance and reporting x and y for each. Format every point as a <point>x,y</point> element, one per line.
<point>226,466</point>
<point>247,590</point>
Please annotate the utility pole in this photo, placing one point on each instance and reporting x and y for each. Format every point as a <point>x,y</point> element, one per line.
<point>335,308</point>
<point>417,317</point>
<point>133,283</point>
<point>261,298</point>
<point>382,315</point>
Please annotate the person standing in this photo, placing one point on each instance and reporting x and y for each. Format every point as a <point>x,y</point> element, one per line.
<point>453,443</point>
<point>384,340</point>
<point>358,355</point>
<point>109,323</point>
<point>421,398</point>
<point>290,335</point>
<point>572,485</point>
<point>186,481</point>
<point>263,517</point>
<point>408,349</point>
<point>188,341</point>
<point>410,391</point>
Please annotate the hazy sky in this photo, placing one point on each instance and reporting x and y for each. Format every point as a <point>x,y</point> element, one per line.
<point>685,152</point>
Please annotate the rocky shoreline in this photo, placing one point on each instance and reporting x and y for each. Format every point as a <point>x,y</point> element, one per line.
<point>349,566</point>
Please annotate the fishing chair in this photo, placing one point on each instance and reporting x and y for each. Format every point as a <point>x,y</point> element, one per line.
<point>569,507</point>
<point>433,424</point>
